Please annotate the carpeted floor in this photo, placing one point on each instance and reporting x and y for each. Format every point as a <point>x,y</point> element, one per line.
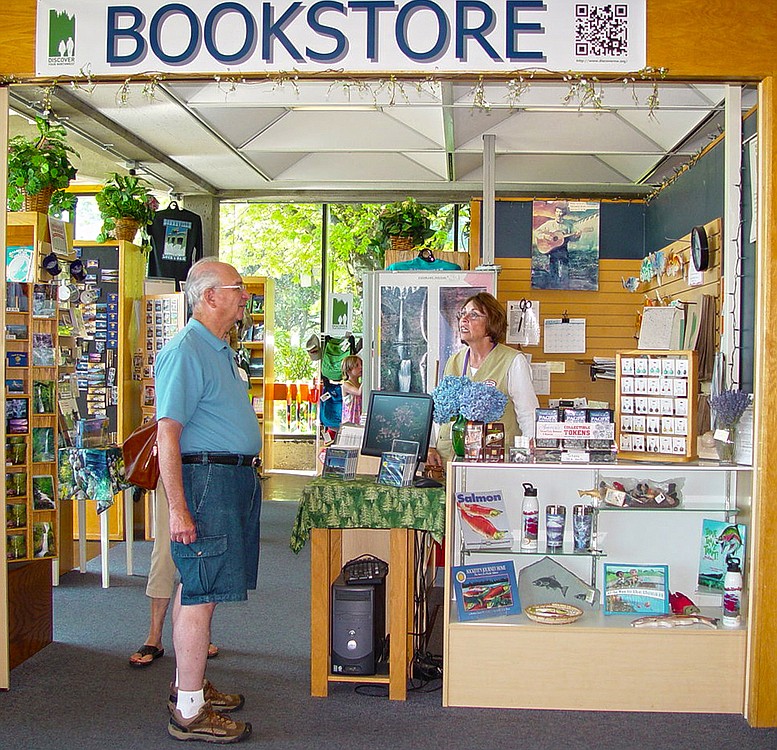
<point>80,692</point>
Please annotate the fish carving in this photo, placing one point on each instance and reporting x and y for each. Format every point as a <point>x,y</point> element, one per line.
<point>674,621</point>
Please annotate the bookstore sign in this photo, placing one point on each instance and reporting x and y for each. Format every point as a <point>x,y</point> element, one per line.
<point>76,37</point>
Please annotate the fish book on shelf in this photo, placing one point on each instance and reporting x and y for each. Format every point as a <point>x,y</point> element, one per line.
<point>484,521</point>
<point>486,590</point>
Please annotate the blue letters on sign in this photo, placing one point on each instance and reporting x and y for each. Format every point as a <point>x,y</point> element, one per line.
<point>313,21</point>
<point>477,33</point>
<point>514,28</point>
<point>165,12</point>
<point>116,14</point>
<point>316,29</point>
<point>249,40</point>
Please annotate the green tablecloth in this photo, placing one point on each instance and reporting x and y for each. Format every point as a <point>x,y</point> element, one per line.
<point>332,503</point>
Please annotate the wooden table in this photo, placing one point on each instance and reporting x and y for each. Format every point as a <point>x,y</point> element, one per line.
<point>341,515</point>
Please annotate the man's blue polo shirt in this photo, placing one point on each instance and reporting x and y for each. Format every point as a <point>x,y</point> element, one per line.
<point>198,385</point>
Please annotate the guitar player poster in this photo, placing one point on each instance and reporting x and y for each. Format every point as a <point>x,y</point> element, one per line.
<point>565,245</point>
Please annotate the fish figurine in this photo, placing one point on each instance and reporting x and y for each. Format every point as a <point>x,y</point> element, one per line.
<point>550,582</point>
<point>680,604</point>
<point>595,493</point>
<point>674,621</point>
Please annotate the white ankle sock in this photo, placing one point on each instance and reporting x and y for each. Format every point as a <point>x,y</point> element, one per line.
<point>190,702</point>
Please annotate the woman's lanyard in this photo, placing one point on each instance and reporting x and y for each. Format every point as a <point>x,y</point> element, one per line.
<point>466,360</point>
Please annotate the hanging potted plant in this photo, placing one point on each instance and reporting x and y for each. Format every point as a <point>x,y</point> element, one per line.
<point>404,224</point>
<point>126,205</point>
<point>39,169</point>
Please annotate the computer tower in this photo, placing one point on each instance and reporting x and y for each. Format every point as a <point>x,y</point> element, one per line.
<point>358,627</point>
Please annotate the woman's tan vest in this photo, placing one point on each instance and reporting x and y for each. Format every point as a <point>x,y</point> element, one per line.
<point>493,371</point>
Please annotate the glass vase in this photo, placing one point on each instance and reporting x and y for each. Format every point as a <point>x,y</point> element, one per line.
<point>725,448</point>
<point>457,435</point>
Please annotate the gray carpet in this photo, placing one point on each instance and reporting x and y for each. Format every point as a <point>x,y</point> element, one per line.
<point>80,692</point>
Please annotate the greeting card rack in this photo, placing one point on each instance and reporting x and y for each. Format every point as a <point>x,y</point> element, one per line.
<point>656,404</point>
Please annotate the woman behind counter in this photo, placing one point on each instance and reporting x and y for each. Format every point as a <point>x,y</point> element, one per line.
<point>482,327</point>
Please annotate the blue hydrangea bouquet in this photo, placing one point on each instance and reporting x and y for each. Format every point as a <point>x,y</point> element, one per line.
<point>459,396</point>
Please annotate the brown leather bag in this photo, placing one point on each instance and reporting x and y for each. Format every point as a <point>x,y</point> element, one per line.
<point>141,462</point>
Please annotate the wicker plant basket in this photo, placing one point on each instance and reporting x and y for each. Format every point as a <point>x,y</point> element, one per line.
<point>126,229</point>
<point>399,244</point>
<point>38,202</point>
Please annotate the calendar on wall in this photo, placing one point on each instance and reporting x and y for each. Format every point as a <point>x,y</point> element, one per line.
<point>655,404</point>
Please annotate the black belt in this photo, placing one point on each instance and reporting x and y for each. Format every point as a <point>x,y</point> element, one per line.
<point>231,459</point>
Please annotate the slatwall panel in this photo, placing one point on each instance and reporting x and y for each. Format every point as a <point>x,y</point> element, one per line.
<point>610,313</point>
<point>670,288</point>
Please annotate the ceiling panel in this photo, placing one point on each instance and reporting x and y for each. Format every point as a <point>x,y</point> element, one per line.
<point>233,137</point>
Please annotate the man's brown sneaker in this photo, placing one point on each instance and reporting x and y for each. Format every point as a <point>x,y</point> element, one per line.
<point>223,702</point>
<point>207,726</point>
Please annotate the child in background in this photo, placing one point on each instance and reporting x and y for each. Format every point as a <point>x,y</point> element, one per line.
<point>352,389</point>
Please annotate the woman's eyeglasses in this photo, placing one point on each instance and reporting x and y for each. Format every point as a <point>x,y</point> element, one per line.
<point>469,315</point>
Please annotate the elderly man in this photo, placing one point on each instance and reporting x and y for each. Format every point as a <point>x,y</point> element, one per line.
<point>208,439</point>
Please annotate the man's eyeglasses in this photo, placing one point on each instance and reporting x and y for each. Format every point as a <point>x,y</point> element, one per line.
<point>469,315</point>
<point>241,287</point>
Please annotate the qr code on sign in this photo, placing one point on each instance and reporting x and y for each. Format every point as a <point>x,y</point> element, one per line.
<point>601,30</point>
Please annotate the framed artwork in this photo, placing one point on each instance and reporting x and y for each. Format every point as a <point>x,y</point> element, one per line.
<point>565,245</point>
<point>636,589</point>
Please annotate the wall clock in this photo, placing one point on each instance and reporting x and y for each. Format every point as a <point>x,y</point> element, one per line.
<point>700,249</point>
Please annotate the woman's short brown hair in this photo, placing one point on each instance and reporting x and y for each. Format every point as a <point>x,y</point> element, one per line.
<point>496,317</point>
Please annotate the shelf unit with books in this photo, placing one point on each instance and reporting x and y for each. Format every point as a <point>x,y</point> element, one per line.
<point>31,422</point>
<point>258,342</point>
<point>509,661</point>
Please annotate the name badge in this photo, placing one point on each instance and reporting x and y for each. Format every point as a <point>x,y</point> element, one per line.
<point>243,374</point>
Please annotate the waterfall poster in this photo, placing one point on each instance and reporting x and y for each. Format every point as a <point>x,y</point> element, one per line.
<point>452,299</point>
<point>404,343</point>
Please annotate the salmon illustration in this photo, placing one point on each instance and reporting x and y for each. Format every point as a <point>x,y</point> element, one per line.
<point>550,582</point>
<point>729,540</point>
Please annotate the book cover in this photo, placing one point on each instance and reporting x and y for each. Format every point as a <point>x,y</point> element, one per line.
<point>42,350</point>
<point>43,539</point>
<point>19,263</point>
<point>14,385</point>
<point>43,448</point>
<point>396,469</point>
<point>43,301</point>
<point>15,546</point>
<point>487,590</point>
<point>484,520</point>
<point>719,539</point>
<point>43,492</point>
<point>636,589</point>
<point>16,332</point>
<point>15,515</point>
<point>43,396</point>
<point>340,462</point>
<point>16,359</point>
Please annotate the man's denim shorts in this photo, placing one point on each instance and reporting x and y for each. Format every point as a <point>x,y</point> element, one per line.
<point>222,564</point>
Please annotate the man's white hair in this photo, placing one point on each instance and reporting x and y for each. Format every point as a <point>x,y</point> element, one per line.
<point>203,275</point>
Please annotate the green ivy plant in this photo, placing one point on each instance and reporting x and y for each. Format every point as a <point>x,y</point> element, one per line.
<point>35,164</point>
<point>406,218</point>
<point>125,197</point>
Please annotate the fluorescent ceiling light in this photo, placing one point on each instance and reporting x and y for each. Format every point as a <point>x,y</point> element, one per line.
<point>334,108</point>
